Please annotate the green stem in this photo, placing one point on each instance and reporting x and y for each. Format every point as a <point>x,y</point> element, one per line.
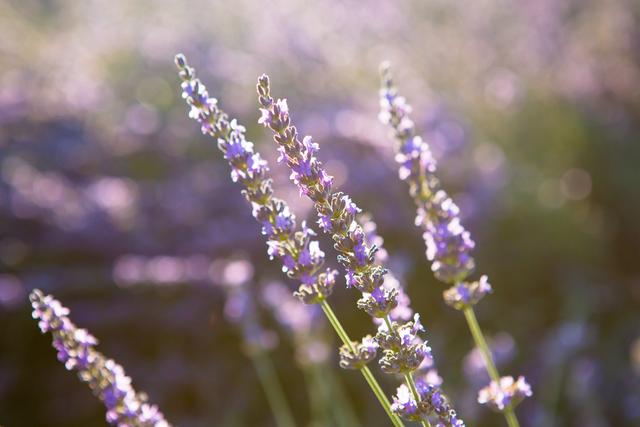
<point>481,343</point>
<point>272,388</point>
<point>416,395</point>
<point>366,373</point>
<point>344,404</point>
<point>317,397</point>
<point>335,399</point>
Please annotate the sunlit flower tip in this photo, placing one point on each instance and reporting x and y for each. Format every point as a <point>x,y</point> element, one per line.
<point>359,353</point>
<point>180,60</point>
<point>265,117</point>
<point>466,294</point>
<point>284,107</point>
<point>379,303</point>
<point>318,291</point>
<point>505,393</point>
<point>404,405</point>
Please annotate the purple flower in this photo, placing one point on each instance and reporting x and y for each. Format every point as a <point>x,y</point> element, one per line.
<point>448,243</point>
<point>432,404</point>
<point>301,256</point>
<point>403,351</point>
<point>505,393</point>
<point>107,380</point>
<point>467,294</point>
<point>359,353</point>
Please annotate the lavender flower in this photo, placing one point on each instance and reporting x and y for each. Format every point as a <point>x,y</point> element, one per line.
<point>107,379</point>
<point>363,352</point>
<point>301,256</point>
<point>467,294</point>
<point>448,243</point>
<point>505,393</point>
<point>336,211</point>
<point>403,310</point>
<point>432,402</point>
<point>403,350</point>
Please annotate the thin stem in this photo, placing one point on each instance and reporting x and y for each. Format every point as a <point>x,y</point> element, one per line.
<point>512,420</point>
<point>481,343</point>
<point>334,396</point>
<point>416,395</point>
<point>340,401</point>
<point>387,321</point>
<point>317,396</point>
<point>272,388</point>
<point>366,373</point>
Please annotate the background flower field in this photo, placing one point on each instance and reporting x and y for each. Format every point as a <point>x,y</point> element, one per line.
<point>112,200</point>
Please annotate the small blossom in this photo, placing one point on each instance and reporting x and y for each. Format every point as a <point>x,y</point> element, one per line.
<point>505,393</point>
<point>467,294</point>
<point>363,352</point>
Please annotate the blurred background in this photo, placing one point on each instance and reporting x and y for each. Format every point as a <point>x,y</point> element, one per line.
<point>112,200</point>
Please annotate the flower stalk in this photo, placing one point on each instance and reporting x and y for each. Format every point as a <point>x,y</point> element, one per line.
<point>402,348</point>
<point>300,256</point>
<point>448,244</point>
<point>272,388</point>
<point>106,379</point>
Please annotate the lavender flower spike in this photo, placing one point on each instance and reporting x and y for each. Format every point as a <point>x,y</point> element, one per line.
<point>301,257</point>
<point>403,350</point>
<point>107,379</point>
<point>448,243</point>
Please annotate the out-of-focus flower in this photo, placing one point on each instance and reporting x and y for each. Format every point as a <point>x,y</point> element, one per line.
<point>240,308</point>
<point>466,294</point>
<point>300,320</point>
<point>447,242</point>
<point>107,379</point>
<point>502,348</point>
<point>506,393</point>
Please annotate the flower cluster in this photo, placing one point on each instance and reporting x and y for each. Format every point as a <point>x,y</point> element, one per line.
<point>336,211</point>
<point>107,379</point>
<point>507,392</point>
<point>402,311</point>
<point>466,294</point>
<point>358,354</point>
<point>431,401</point>
<point>448,243</point>
<point>301,256</point>
<point>403,350</point>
